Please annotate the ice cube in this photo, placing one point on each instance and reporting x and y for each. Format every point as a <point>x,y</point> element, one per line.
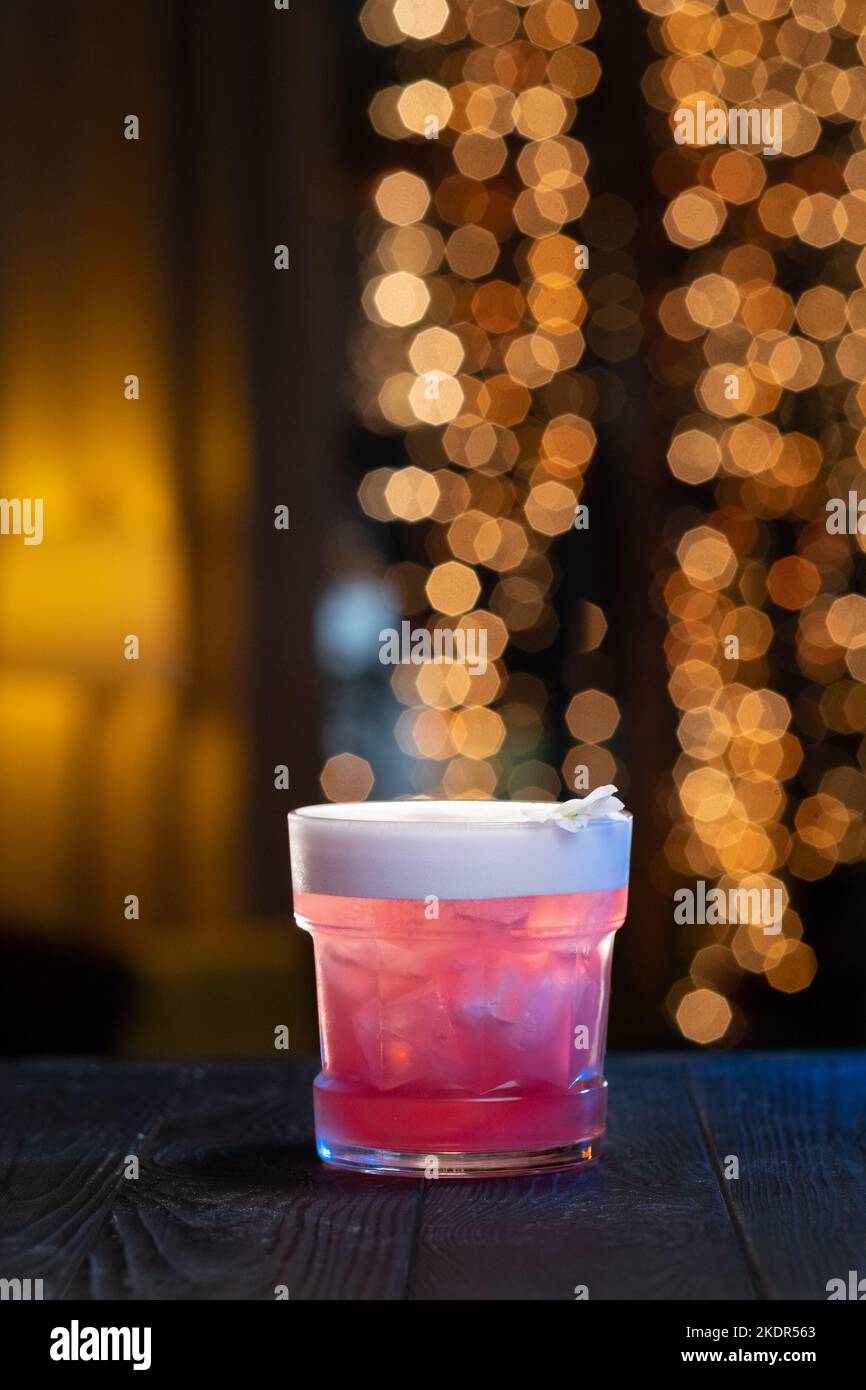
<point>420,1044</point>
<point>533,996</point>
<point>501,912</point>
<point>366,1025</point>
<point>348,970</point>
<point>404,967</point>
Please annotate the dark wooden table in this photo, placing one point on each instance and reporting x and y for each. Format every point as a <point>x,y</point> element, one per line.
<point>230,1201</point>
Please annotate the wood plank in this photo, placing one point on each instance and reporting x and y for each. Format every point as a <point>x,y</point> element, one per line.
<point>797,1124</point>
<point>232,1202</point>
<point>65,1130</point>
<point>647,1222</point>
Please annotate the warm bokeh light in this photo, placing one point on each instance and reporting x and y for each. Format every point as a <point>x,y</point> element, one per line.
<point>491,275</point>
<point>478,317</point>
<point>347,778</point>
<point>704,1016</point>
<point>420,19</point>
<point>764,390</point>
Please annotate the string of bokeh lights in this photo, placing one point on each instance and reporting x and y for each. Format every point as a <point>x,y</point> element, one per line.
<point>769,786</point>
<point>472,286</point>
<point>475,328</point>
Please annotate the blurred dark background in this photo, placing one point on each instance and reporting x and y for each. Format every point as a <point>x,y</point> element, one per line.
<point>145,904</point>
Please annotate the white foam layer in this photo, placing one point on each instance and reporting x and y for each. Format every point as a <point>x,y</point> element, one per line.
<point>452,849</point>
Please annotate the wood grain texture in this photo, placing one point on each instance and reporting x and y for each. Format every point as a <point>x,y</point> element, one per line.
<point>231,1201</point>
<point>647,1222</point>
<point>797,1126</point>
<point>65,1131</point>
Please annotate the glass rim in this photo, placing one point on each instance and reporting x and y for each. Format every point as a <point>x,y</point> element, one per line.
<point>352,813</point>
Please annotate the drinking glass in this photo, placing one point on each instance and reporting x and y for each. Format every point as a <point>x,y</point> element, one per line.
<point>462,955</point>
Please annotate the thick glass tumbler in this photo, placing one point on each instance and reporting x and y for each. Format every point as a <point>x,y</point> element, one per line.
<point>463,956</point>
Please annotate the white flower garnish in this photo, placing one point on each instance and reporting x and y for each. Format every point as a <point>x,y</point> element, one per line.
<point>576,814</point>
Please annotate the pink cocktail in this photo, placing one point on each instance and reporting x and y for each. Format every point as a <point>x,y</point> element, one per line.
<point>463,1032</point>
